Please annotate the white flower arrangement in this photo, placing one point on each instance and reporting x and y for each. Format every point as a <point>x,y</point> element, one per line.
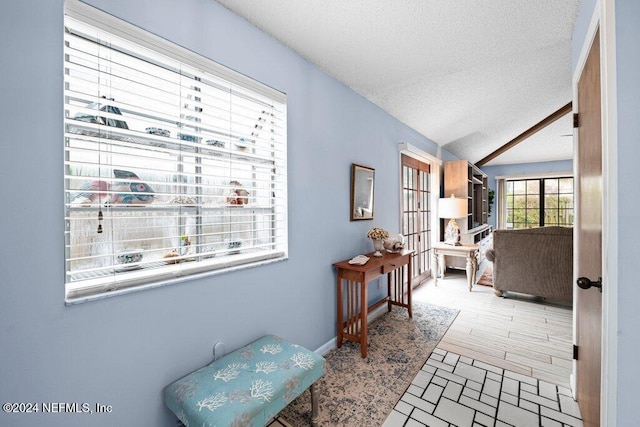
<point>378,233</point>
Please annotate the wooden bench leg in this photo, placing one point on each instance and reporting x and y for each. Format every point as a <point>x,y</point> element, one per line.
<point>314,405</point>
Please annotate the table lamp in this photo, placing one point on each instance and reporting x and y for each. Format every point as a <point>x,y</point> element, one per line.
<point>452,208</point>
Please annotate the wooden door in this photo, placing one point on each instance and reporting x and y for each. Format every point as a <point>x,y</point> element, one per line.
<point>589,238</point>
<point>416,211</point>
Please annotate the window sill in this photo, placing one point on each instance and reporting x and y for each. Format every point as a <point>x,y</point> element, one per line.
<point>140,280</point>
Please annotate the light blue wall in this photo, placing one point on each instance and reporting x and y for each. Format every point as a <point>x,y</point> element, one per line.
<point>448,157</point>
<point>520,169</point>
<point>122,351</point>
<point>627,16</point>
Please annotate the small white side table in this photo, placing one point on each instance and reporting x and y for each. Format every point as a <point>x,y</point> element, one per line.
<point>470,252</point>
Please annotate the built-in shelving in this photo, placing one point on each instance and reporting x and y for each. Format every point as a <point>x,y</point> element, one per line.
<point>465,180</point>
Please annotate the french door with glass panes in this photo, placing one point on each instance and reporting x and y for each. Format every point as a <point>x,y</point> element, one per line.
<point>416,212</point>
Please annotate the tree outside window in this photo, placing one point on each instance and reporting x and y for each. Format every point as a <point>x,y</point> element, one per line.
<point>539,202</point>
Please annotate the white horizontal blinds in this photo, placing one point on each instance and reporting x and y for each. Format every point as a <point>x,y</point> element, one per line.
<point>170,169</point>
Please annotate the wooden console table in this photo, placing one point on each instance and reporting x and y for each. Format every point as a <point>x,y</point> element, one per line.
<point>470,252</point>
<point>353,296</point>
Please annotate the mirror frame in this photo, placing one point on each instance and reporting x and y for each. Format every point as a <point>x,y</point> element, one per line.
<point>361,208</point>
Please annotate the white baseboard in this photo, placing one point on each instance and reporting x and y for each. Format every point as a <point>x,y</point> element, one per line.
<point>326,347</point>
<point>331,344</point>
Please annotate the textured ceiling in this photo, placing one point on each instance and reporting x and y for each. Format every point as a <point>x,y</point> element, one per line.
<point>468,74</point>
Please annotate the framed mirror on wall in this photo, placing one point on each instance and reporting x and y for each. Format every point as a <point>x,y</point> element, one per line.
<point>362,180</point>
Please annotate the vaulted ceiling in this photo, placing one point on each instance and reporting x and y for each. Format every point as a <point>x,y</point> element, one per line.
<point>470,75</point>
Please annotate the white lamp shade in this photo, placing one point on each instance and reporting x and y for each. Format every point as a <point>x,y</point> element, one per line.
<point>451,207</point>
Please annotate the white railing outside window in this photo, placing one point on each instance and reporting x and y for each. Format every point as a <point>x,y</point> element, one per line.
<point>174,165</point>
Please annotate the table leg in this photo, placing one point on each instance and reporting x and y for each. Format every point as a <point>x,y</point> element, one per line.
<point>470,273</point>
<point>389,294</point>
<point>439,260</point>
<point>340,324</point>
<point>474,261</point>
<point>410,271</point>
<point>364,308</point>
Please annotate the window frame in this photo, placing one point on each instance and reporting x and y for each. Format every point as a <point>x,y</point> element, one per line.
<point>541,208</point>
<point>171,274</point>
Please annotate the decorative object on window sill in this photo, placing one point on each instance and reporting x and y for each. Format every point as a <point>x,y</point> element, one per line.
<point>183,200</point>
<point>218,144</point>
<point>394,244</point>
<point>452,208</point>
<point>171,257</point>
<point>181,254</point>
<point>378,235</point>
<point>235,245</point>
<point>83,117</point>
<point>362,180</point>
<point>185,245</point>
<point>129,260</point>
<point>159,132</point>
<point>90,193</point>
<point>188,137</point>
<point>130,257</point>
<point>130,191</point>
<point>241,145</point>
<point>238,195</point>
<point>215,143</point>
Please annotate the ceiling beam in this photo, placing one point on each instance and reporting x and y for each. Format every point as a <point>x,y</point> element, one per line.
<point>526,134</point>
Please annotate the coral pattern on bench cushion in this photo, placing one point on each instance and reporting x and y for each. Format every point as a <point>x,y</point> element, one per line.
<point>247,387</point>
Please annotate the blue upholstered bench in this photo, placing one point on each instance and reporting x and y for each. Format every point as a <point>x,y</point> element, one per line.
<point>247,387</point>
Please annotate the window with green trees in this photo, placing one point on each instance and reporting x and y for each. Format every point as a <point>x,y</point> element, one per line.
<point>539,202</point>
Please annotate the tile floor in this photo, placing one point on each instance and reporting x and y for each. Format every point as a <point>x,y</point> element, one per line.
<point>519,333</point>
<point>453,390</point>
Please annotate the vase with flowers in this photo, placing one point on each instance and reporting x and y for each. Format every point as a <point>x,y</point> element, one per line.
<point>378,236</point>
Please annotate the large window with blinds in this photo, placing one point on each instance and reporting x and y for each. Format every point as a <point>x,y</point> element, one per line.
<point>174,165</point>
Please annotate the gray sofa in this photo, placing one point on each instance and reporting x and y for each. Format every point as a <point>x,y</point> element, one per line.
<point>535,261</point>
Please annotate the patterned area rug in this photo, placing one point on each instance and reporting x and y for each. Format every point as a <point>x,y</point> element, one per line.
<point>487,277</point>
<point>362,392</point>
